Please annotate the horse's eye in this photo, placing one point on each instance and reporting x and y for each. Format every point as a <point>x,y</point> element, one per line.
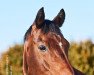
<point>42,48</point>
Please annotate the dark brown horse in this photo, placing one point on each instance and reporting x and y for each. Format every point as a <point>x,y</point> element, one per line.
<point>46,49</point>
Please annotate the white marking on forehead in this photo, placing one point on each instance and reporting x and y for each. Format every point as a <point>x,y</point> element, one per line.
<point>60,44</point>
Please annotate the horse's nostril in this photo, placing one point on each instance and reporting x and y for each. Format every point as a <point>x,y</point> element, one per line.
<point>42,47</point>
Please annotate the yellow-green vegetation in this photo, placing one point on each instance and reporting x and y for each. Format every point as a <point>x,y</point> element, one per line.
<point>81,56</point>
<point>11,61</point>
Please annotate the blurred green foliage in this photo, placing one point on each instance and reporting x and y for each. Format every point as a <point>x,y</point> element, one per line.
<point>81,56</point>
<point>11,61</point>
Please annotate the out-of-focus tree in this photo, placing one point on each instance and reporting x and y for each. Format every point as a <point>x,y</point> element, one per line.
<point>81,56</point>
<point>12,61</point>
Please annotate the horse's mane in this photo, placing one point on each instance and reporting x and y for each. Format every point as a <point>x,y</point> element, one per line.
<point>47,26</point>
<point>28,32</point>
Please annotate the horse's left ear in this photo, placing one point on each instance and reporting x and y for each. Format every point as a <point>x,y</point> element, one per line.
<point>40,17</point>
<point>59,19</point>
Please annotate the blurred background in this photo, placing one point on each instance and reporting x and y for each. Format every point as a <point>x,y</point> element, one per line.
<point>17,16</point>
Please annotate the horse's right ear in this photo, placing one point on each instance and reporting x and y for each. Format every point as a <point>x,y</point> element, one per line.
<point>59,19</point>
<point>40,17</point>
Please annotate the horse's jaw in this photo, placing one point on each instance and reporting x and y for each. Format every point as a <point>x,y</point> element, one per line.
<point>56,67</point>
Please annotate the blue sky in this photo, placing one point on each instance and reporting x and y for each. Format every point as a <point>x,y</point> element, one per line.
<point>17,15</point>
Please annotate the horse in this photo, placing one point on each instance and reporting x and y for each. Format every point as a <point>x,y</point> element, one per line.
<point>45,48</point>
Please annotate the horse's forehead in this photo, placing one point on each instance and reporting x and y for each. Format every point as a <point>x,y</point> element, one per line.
<point>38,33</point>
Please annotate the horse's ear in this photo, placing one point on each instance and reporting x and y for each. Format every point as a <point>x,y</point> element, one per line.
<point>59,19</point>
<point>40,17</point>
